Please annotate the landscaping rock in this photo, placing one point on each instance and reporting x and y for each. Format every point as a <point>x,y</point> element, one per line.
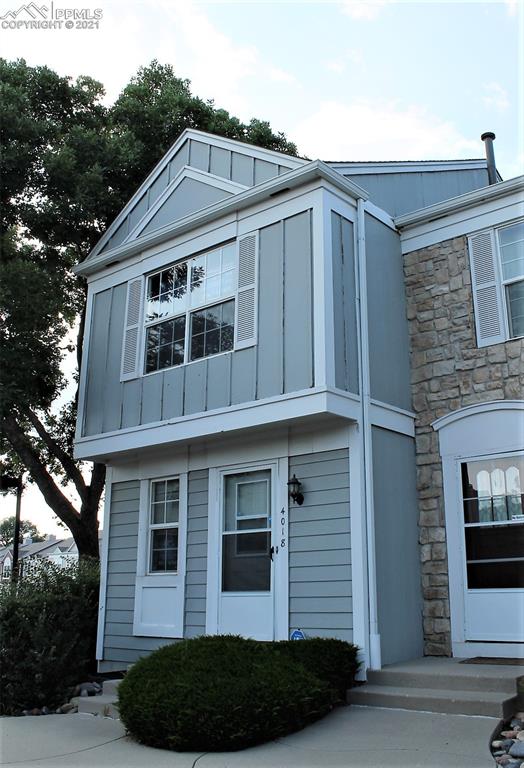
<point>517,749</point>
<point>517,724</point>
<point>509,734</point>
<point>87,689</point>
<point>520,736</point>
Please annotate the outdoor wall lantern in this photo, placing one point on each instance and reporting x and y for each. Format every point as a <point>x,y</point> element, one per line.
<point>294,490</point>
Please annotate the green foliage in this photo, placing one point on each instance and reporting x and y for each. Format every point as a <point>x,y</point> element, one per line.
<point>219,693</point>
<point>7,531</point>
<point>333,661</point>
<point>48,634</point>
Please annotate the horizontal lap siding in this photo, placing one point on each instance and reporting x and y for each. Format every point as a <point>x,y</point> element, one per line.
<point>196,563</point>
<point>320,547</point>
<point>120,645</point>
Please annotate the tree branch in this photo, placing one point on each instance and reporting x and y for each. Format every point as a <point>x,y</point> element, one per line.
<point>54,497</point>
<point>96,486</point>
<point>71,469</point>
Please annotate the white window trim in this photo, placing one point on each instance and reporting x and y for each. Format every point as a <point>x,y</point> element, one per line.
<point>189,310</point>
<point>167,588</point>
<point>504,283</point>
<point>161,526</point>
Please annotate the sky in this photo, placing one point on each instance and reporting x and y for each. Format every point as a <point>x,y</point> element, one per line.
<point>384,80</point>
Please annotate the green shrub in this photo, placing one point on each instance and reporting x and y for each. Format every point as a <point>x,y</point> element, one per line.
<point>219,693</point>
<point>47,635</point>
<point>333,661</point>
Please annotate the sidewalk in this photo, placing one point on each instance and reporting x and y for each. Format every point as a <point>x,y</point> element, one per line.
<point>366,737</point>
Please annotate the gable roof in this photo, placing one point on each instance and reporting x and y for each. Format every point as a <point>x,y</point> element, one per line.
<point>155,183</point>
<point>311,171</point>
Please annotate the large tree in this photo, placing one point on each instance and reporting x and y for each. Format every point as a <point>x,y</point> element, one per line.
<point>7,531</point>
<point>68,165</point>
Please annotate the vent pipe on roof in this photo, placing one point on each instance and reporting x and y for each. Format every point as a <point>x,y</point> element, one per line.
<point>488,138</point>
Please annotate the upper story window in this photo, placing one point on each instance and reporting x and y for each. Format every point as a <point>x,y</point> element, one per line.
<point>190,309</point>
<point>193,309</point>
<point>511,248</point>
<point>497,270</point>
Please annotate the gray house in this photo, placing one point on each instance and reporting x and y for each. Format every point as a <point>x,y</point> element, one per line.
<point>247,381</point>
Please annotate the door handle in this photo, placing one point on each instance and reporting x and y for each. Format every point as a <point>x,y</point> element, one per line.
<point>271,552</point>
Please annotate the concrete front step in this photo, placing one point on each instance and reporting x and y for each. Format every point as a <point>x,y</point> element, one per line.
<point>104,705</point>
<point>475,678</point>
<point>452,702</point>
<point>110,687</point>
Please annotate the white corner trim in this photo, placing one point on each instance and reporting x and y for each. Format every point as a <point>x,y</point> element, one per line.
<point>82,384</point>
<point>187,172</point>
<point>359,579</point>
<point>101,626</point>
<point>213,544</point>
<point>479,408</point>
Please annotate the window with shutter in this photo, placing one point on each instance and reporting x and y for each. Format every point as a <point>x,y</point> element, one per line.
<point>246,309</point>
<point>133,320</point>
<point>497,273</point>
<point>487,298</point>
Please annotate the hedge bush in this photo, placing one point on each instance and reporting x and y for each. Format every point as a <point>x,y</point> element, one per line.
<point>333,661</point>
<point>219,693</point>
<point>47,635</point>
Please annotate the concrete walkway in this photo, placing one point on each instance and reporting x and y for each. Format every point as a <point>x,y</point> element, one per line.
<point>366,737</point>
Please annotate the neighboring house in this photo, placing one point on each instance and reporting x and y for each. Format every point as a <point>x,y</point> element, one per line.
<point>60,552</point>
<point>247,325</point>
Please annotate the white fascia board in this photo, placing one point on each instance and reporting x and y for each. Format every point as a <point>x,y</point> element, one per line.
<point>185,173</point>
<point>280,184</point>
<point>391,166</point>
<point>460,203</point>
<point>283,409</point>
<point>217,141</point>
<point>484,215</point>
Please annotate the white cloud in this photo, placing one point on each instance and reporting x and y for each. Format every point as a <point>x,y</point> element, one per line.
<point>495,97</point>
<point>380,131</point>
<point>282,76</point>
<point>367,11</point>
<point>339,65</point>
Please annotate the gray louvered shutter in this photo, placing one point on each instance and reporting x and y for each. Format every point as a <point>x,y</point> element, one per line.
<point>486,286</point>
<point>132,328</point>
<point>246,303</point>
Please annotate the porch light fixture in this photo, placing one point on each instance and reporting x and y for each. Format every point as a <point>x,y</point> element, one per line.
<point>294,490</point>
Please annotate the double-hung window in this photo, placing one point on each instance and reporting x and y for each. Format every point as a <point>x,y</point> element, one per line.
<point>190,309</point>
<point>163,526</point>
<point>511,249</point>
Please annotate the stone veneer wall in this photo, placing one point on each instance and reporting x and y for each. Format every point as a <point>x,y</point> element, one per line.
<point>448,372</point>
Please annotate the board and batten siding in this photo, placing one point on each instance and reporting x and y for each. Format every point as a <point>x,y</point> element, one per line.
<point>399,591</point>
<point>281,361</point>
<point>344,303</point>
<point>320,592</point>
<point>225,163</point>
<point>388,334</point>
<point>399,193</point>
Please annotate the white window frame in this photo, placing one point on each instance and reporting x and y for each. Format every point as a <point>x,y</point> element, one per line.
<point>504,283</point>
<point>161,526</point>
<point>189,310</point>
<point>160,595</point>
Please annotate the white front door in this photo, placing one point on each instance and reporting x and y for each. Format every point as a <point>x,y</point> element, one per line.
<point>492,521</point>
<point>247,564</point>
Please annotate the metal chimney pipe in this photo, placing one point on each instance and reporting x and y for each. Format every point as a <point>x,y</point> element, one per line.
<point>488,138</point>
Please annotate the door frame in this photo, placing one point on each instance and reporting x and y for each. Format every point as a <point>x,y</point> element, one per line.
<point>479,431</point>
<point>279,519</point>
